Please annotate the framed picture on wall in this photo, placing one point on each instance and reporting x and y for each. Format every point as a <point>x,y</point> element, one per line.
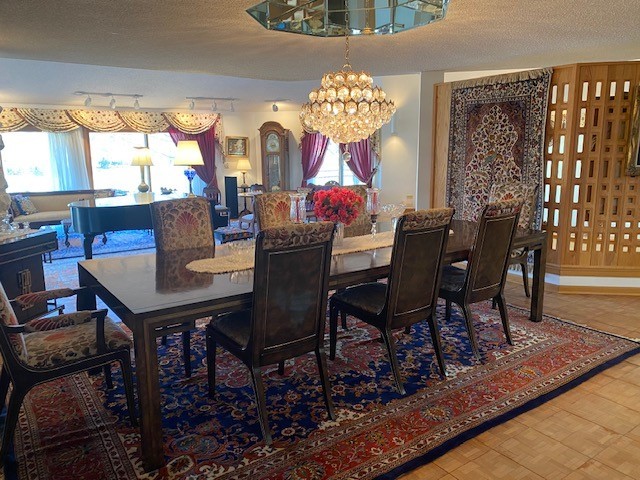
<point>633,163</point>
<point>237,147</point>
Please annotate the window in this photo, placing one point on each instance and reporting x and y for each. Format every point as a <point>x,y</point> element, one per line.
<point>27,163</point>
<point>111,155</point>
<point>333,168</point>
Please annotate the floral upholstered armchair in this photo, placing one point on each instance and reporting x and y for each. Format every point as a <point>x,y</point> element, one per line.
<point>47,348</point>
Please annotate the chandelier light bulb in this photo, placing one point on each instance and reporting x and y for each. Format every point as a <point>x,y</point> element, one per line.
<point>87,102</point>
<point>112,103</point>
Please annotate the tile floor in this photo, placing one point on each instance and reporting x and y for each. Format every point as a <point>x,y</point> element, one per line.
<point>590,432</point>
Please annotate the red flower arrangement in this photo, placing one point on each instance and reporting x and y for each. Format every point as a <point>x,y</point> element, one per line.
<point>337,205</point>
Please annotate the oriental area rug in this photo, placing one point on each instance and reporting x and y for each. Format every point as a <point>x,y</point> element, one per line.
<point>77,429</point>
<point>496,135</point>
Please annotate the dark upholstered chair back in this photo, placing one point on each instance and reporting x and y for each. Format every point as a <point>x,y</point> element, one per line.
<point>290,290</point>
<point>419,246</point>
<point>489,259</point>
<point>181,224</point>
<point>272,209</point>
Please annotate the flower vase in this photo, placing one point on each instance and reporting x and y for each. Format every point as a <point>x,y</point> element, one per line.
<point>338,236</point>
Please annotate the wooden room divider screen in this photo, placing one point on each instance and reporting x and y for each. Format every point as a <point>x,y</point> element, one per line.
<point>591,205</point>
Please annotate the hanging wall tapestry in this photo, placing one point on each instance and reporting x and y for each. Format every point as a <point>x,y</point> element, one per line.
<point>496,136</point>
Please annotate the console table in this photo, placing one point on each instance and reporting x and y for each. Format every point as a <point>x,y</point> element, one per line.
<point>21,268</point>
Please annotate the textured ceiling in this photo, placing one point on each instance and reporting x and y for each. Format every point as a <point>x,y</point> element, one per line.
<point>219,37</point>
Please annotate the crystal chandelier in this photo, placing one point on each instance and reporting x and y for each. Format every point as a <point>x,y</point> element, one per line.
<point>347,107</point>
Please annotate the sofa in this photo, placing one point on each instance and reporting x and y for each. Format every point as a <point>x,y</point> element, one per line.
<point>50,208</point>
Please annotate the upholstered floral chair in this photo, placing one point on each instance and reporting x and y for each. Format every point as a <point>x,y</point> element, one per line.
<point>182,224</point>
<point>528,195</point>
<point>272,209</point>
<point>47,348</point>
<point>362,224</point>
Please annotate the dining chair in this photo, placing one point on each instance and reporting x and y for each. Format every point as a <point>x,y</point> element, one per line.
<point>47,348</point>
<point>290,286</point>
<point>528,195</point>
<point>272,209</point>
<point>362,224</point>
<point>182,224</point>
<point>411,293</point>
<point>487,264</point>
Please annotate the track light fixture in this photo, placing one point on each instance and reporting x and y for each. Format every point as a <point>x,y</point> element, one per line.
<point>274,103</point>
<point>112,103</point>
<point>215,100</point>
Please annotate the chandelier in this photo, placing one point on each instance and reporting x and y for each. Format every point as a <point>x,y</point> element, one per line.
<point>347,107</point>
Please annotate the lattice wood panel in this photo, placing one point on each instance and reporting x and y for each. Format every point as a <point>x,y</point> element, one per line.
<point>591,205</point>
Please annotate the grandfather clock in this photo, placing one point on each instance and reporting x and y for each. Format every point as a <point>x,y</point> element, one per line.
<point>275,156</point>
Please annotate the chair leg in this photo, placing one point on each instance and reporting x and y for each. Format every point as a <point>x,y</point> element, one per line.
<point>107,376</point>
<point>324,378</point>
<point>211,364</point>
<point>437,344</point>
<point>407,329</point>
<point>468,320</point>
<point>258,388</point>
<point>163,340</point>
<point>343,317</point>
<point>281,368</point>
<point>4,387</point>
<point>447,310</point>
<point>504,315</point>
<point>525,278</point>
<point>391,351</point>
<point>127,378</point>
<point>493,303</point>
<point>333,331</point>
<point>186,352</point>
<point>13,410</point>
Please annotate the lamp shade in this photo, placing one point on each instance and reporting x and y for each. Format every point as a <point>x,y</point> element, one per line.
<point>141,157</point>
<point>188,153</point>
<point>243,165</point>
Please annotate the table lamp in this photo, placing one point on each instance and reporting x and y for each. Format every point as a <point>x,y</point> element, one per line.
<point>188,154</point>
<point>142,158</point>
<point>244,166</point>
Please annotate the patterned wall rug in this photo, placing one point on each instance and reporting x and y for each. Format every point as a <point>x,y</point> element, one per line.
<point>496,135</point>
<point>76,429</point>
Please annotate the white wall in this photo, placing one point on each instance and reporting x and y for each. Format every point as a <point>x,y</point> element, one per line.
<point>398,175</point>
<point>246,125</point>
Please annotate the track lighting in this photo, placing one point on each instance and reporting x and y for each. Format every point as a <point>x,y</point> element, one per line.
<point>112,103</point>
<point>214,105</point>
<point>274,103</point>
<point>274,107</point>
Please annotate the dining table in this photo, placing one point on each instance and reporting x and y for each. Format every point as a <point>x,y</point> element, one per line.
<point>155,295</point>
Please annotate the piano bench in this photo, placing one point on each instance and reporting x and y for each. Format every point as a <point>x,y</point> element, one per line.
<point>229,234</point>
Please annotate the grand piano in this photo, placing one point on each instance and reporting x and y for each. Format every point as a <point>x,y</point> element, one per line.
<point>96,216</point>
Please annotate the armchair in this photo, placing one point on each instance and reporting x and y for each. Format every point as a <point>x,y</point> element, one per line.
<point>47,348</point>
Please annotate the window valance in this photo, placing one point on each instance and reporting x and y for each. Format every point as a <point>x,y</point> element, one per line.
<point>14,119</point>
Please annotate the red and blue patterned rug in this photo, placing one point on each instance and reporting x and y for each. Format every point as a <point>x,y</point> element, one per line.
<point>75,429</point>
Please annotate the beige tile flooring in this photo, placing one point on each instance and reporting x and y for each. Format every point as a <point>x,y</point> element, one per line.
<point>589,432</point>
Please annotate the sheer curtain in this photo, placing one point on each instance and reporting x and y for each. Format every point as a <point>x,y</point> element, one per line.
<point>68,162</point>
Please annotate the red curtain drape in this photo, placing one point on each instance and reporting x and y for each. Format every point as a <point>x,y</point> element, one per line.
<point>361,163</point>
<point>207,143</point>
<point>313,147</point>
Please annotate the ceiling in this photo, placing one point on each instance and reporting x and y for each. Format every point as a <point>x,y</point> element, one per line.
<point>200,39</point>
